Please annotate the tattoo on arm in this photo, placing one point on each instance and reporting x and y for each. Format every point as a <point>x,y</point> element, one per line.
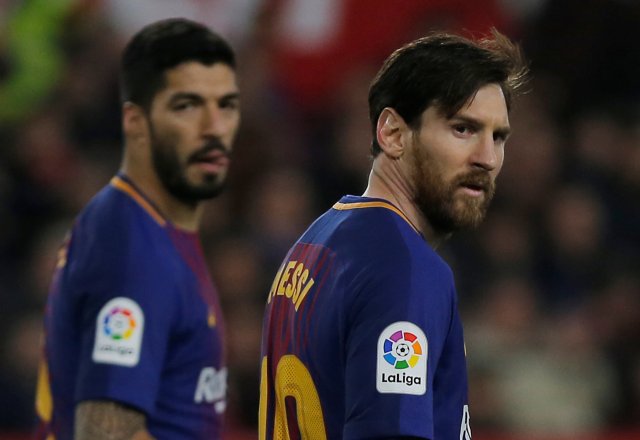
<point>106,420</point>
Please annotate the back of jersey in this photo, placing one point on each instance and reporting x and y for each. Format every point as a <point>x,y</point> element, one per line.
<point>346,338</point>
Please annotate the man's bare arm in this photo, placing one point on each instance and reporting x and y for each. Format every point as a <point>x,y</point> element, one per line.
<point>106,420</point>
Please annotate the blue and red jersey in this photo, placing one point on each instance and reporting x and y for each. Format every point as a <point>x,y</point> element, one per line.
<point>362,337</point>
<point>133,317</point>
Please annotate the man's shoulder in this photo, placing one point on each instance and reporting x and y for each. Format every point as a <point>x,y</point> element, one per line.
<point>370,239</point>
<point>115,213</point>
<point>353,220</point>
<point>374,230</point>
<point>112,231</point>
<point>113,252</point>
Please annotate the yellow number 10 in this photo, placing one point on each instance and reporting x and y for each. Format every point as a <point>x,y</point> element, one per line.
<point>292,380</point>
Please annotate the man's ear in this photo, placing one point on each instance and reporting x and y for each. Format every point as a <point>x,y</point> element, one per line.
<point>134,121</point>
<point>390,133</point>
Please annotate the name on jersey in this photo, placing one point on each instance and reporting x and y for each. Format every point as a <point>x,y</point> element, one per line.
<point>293,282</point>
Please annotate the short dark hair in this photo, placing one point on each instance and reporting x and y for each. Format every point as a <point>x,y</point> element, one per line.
<point>444,70</point>
<point>164,45</point>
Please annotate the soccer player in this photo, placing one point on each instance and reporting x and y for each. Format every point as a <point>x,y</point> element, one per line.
<point>362,337</point>
<point>134,333</point>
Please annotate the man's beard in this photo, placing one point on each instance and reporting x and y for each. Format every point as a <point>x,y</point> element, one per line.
<point>445,207</point>
<point>172,173</point>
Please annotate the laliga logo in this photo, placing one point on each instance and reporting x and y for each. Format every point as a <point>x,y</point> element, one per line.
<point>402,350</point>
<point>119,324</point>
<point>402,359</point>
<point>119,328</point>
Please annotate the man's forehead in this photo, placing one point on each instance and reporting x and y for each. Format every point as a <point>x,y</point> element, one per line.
<point>195,75</point>
<point>488,103</point>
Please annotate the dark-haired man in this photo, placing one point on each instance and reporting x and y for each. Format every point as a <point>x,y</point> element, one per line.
<point>362,337</point>
<point>134,333</point>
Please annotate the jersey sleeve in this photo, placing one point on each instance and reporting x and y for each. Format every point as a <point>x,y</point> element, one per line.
<point>125,312</point>
<point>398,322</point>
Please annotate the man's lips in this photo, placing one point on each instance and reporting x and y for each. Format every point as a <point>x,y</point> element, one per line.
<point>213,161</point>
<point>475,187</point>
<point>473,191</point>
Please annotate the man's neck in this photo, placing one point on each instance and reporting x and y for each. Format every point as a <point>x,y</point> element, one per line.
<point>185,216</point>
<point>388,181</point>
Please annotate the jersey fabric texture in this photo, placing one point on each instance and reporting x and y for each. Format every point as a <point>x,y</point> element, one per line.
<point>362,337</point>
<point>133,317</point>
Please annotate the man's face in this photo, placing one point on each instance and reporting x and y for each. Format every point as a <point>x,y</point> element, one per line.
<point>454,162</point>
<point>193,122</point>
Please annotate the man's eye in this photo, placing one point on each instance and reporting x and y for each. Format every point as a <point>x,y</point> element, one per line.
<point>230,105</point>
<point>461,129</point>
<point>184,106</point>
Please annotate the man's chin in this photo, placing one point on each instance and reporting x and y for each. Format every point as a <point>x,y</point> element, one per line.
<point>461,217</point>
<point>209,190</point>
<point>470,217</point>
<point>206,181</point>
<point>194,193</point>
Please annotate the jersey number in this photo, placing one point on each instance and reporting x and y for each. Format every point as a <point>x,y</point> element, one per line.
<point>294,381</point>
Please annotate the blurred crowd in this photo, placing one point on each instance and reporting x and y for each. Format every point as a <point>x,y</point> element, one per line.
<point>549,286</point>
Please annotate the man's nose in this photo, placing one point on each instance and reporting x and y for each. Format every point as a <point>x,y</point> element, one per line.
<point>487,154</point>
<point>213,123</point>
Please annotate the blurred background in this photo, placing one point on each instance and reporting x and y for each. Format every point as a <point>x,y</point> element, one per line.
<point>549,287</point>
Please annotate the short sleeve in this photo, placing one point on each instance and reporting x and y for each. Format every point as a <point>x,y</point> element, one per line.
<point>125,319</point>
<point>397,324</point>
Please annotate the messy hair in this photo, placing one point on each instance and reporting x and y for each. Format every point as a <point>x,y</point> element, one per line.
<point>444,70</point>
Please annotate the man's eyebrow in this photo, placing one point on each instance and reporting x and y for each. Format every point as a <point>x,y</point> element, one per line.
<point>230,96</point>
<point>186,96</point>
<point>196,97</point>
